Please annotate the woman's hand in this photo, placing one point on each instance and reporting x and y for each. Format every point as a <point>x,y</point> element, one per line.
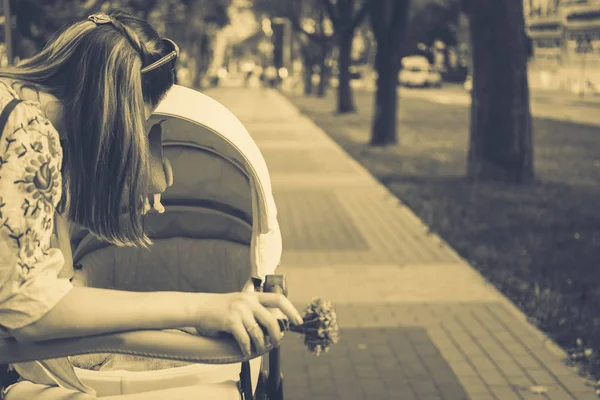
<point>243,315</point>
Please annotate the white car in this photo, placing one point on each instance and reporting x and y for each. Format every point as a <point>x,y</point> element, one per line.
<point>418,72</point>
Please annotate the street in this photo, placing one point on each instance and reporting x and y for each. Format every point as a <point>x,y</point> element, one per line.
<point>548,105</point>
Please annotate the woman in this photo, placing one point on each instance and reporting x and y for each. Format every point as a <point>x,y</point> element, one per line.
<point>76,145</point>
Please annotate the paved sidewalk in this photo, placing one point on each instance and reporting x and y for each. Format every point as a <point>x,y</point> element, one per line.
<point>416,321</point>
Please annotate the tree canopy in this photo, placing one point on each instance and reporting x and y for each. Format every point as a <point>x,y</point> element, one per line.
<point>38,20</point>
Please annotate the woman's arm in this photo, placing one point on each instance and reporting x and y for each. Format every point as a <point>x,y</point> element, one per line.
<point>89,311</point>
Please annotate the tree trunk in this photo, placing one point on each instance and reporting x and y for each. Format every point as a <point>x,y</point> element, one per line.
<point>308,73</point>
<point>206,52</point>
<point>196,50</point>
<point>323,71</point>
<point>384,128</point>
<point>308,64</point>
<point>501,130</point>
<point>345,98</point>
<point>389,19</point>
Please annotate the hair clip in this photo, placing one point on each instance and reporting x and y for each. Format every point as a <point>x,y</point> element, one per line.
<point>100,19</point>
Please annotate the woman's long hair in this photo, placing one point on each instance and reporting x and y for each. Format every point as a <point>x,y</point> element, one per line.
<point>95,72</point>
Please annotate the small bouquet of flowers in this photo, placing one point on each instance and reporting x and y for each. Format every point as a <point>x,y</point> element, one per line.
<point>320,328</point>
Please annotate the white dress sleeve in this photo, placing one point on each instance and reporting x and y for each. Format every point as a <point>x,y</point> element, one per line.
<point>30,188</point>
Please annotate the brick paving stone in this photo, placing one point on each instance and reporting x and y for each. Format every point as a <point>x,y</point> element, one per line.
<point>367,371</point>
<point>498,354</point>
<point>295,383</point>
<point>474,385</point>
<point>451,325</point>
<point>468,346</point>
<point>373,386</point>
<point>437,366</point>
<point>443,343</point>
<point>415,370</point>
<point>504,337</point>
<point>509,367</point>
<point>295,393</point>
<point>541,376</point>
<point>557,392</point>
<point>403,395</point>
<point>550,357</point>
<point>426,350</point>
<point>484,396</point>
<point>322,387</point>
<point>482,364</point>
<point>473,326</point>
<point>516,349</point>
<point>359,352</point>
<point>452,391</point>
<point>350,395</point>
<point>438,333</point>
<point>558,369</point>
<point>486,319</point>
<point>396,380</point>
<point>464,369</point>
<point>417,335</point>
<point>444,378</point>
<point>424,386</point>
<point>406,355</point>
<point>521,381</point>
<point>493,378</point>
<point>430,396</point>
<point>533,342</point>
<point>343,369</point>
<point>381,350</point>
<point>386,363</point>
<point>504,393</point>
<point>321,397</point>
<point>575,385</point>
<point>453,355</point>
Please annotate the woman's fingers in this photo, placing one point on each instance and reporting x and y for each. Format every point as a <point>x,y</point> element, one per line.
<point>249,311</point>
<point>275,300</point>
<point>268,320</point>
<point>238,330</point>
<point>254,331</point>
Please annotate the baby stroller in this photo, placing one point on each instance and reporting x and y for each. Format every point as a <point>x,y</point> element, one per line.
<point>218,233</point>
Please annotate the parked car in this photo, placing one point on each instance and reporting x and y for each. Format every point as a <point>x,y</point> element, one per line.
<point>418,72</point>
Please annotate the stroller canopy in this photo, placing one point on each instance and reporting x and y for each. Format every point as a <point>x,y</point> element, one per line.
<point>193,123</point>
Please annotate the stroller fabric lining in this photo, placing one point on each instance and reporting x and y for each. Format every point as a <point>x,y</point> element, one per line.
<point>183,264</point>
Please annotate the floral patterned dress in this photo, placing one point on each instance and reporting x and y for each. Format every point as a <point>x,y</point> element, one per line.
<point>30,188</point>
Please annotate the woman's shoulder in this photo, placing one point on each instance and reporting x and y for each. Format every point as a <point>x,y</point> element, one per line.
<point>26,130</point>
<point>30,159</point>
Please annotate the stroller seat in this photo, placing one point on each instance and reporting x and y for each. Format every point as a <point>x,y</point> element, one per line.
<point>210,254</point>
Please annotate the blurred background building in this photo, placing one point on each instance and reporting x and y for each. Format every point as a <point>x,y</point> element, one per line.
<point>565,37</point>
